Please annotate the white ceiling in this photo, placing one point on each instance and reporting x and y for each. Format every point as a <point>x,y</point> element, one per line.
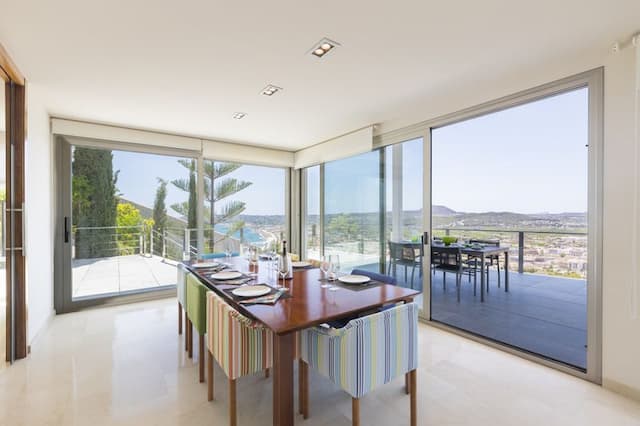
<point>186,66</point>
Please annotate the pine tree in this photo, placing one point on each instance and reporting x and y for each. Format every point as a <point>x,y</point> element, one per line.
<point>217,187</point>
<point>94,202</point>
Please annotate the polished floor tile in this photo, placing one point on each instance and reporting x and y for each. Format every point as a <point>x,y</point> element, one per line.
<point>125,365</point>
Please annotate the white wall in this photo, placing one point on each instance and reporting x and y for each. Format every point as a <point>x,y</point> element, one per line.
<point>621,332</point>
<point>39,215</point>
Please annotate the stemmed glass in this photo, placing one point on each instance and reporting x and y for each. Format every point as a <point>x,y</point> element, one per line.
<point>334,271</point>
<point>228,249</point>
<point>325,266</point>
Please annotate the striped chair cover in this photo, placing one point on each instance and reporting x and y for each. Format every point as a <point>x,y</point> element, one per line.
<point>181,285</point>
<point>368,352</point>
<point>241,346</point>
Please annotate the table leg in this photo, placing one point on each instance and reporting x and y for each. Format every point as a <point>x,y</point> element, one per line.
<point>482,277</point>
<point>283,346</point>
<point>506,270</point>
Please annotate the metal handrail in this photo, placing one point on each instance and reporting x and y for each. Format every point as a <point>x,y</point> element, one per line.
<point>520,232</point>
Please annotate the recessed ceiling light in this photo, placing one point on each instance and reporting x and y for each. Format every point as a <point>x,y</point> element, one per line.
<point>239,115</point>
<point>270,90</point>
<point>323,47</point>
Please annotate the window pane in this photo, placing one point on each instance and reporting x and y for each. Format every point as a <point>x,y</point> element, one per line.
<point>128,221</point>
<point>352,210</point>
<point>312,218</point>
<point>404,221</point>
<point>244,205</point>
<point>516,178</point>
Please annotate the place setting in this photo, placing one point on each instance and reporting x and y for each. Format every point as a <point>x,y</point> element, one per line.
<point>262,294</point>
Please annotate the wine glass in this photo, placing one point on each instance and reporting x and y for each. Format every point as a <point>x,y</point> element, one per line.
<point>228,249</point>
<point>325,266</point>
<point>334,271</point>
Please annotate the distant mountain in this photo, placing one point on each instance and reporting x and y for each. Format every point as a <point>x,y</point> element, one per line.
<point>442,211</point>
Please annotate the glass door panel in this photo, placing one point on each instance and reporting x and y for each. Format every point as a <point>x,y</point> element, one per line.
<point>129,213</point>
<point>404,221</point>
<point>510,194</point>
<point>352,219</point>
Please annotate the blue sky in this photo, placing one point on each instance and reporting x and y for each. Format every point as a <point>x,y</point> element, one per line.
<point>137,182</point>
<point>527,159</point>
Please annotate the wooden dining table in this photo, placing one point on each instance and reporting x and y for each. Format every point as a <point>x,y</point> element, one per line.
<point>309,305</point>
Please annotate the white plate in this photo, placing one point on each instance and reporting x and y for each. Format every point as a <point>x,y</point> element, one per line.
<point>354,279</point>
<point>205,265</point>
<point>300,264</point>
<point>252,291</point>
<point>226,275</point>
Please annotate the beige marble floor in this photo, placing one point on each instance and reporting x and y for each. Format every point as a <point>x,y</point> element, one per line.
<point>125,365</point>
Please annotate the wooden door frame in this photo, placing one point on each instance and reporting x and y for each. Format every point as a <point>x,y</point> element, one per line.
<point>16,133</point>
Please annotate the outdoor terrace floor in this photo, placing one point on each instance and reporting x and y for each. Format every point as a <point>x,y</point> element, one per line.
<point>542,314</point>
<point>121,273</point>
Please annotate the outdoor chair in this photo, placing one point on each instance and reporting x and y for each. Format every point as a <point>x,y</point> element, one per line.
<point>449,260</point>
<point>408,255</point>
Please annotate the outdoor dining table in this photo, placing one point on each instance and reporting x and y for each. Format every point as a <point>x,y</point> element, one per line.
<point>483,252</point>
<point>309,305</point>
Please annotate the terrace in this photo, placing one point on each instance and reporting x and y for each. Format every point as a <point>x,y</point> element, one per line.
<point>541,314</point>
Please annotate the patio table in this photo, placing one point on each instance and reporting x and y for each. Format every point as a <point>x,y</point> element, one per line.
<point>482,252</point>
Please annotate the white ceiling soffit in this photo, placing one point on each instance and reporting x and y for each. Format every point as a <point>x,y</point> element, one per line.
<point>223,151</point>
<point>236,153</point>
<point>354,143</point>
<point>81,129</point>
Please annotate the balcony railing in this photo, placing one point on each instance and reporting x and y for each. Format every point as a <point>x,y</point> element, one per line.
<point>518,242</point>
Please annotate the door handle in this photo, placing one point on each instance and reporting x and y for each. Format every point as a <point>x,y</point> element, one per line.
<point>425,238</point>
<point>66,229</point>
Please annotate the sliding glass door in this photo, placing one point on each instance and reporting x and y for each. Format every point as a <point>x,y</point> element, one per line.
<point>515,207</point>
<point>124,217</point>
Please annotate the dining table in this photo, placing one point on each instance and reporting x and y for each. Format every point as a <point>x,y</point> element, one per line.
<point>482,252</point>
<point>308,304</point>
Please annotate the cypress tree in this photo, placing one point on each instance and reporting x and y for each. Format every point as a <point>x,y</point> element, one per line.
<point>94,202</point>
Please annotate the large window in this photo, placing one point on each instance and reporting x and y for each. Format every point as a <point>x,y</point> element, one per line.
<point>243,205</point>
<point>352,219</point>
<point>510,192</point>
<point>371,213</point>
<point>127,222</point>
<point>312,230</point>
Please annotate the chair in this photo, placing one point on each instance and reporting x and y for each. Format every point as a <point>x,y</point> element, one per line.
<point>409,255</point>
<point>491,258</point>
<point>240,346</point>
<point>449,259</point>
<point>369,352</point>
<point>197,313</point>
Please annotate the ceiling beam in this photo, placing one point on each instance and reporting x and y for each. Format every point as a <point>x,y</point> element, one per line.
<point>8,69</point>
